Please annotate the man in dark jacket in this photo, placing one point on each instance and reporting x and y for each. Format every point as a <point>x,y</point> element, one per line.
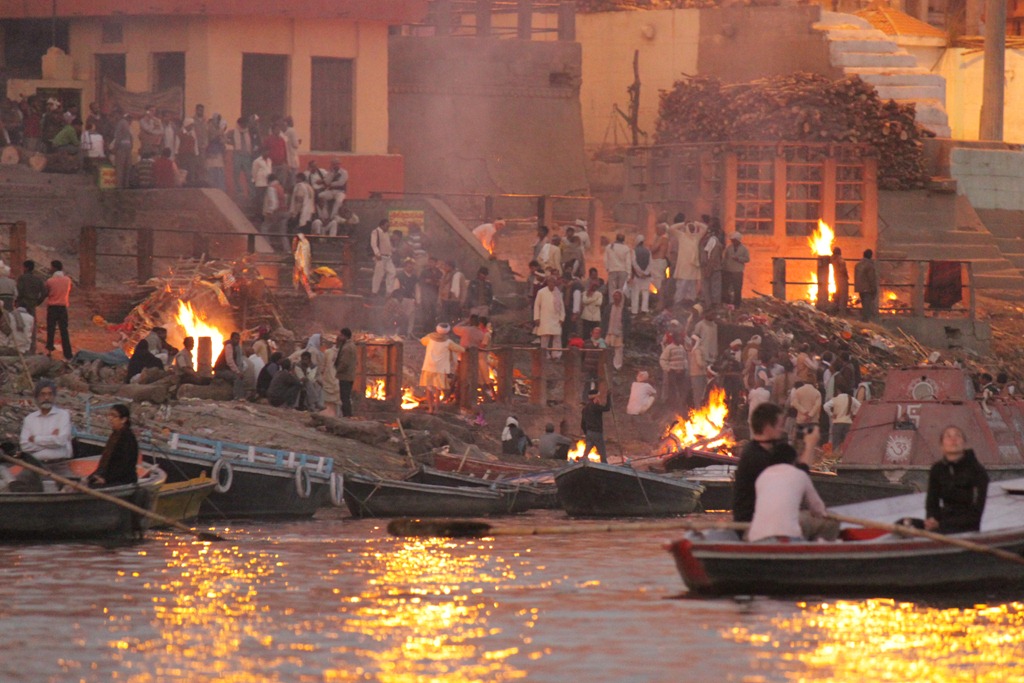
<point>31,293</point>
<point>957,487</point>
<point>345,369</point>
<point>592,422</point>
<point>767,446</point>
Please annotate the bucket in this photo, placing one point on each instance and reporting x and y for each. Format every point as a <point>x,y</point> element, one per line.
<point>107,177</point>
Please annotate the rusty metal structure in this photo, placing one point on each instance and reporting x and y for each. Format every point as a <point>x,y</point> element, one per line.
<point>895,438</point>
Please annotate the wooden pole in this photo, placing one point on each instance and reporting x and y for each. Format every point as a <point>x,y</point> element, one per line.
<point>823,264</point>
<point>572,367</point>
<point>994,82</point>
<point>19,247</point>
<point>524,23</point>
<point>779,278</point>
<point>204,356</point>
<point>483,18</point>
<point>505,373</point>
<point>144,254</point>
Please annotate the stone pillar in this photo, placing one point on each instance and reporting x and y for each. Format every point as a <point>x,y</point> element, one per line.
<point>994,84</point>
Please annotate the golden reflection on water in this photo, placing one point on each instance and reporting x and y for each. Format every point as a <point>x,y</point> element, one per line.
<point>887,640</point>
<point>425,609</point>
<point>205,608</point>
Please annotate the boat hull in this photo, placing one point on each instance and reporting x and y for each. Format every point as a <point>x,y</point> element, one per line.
<point>254,492</point>
<point>485,469</point>
<point>371,497</point>
<point>181,500</point>
<point>523,496</point>
<point>849,568</point>
<point>600,490</point>
<point>55,516</point>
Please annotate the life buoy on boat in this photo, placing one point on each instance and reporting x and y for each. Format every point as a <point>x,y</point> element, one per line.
<point>303,482</point>
<point>223,476</point>
<point>337,489</point>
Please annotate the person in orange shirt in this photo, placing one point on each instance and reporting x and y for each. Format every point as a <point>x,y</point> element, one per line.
<point>58,291</point>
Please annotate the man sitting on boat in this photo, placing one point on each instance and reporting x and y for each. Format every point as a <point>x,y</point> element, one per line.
<point>767,447</point>
<point>957,487</point>
<point>781,491</point>
<point>46,433</point>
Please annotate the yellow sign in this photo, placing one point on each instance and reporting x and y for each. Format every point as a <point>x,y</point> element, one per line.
<point>401,219</point>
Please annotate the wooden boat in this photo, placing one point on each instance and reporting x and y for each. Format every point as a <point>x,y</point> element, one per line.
<point>525,493</point>
<point>485,469</point>
<point>249,481</point>
<point>590,489</point>
<point>62,515</point>
<point>718,563</point>
<point>368,496</point>
<point>180,500</point>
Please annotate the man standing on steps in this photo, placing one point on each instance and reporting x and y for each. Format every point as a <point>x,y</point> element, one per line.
<point>865,283</point>
<point>383,266</point>
<point>345,369</point>
<point>58,293</point>
<point>31,294</point>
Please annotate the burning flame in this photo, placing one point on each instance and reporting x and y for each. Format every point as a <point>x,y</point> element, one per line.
<point>375,389</point>
<point>654,290</point>
<point>705,423</point>
<point>577,452</point>
<point>193,325</point>
<point>821,242</point>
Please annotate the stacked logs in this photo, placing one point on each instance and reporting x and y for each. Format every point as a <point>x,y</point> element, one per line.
<point>799,107</point>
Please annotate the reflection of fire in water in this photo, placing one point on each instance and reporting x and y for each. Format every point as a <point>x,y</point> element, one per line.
<point>429,610</point>
<point>706,423</point>
<point>821,242</point>
<point>375,389</point>
<point>195,326</point>
<point>577,453</point>
<point>908,641</point>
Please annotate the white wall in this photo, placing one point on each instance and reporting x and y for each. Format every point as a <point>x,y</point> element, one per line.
<point>991,179</point>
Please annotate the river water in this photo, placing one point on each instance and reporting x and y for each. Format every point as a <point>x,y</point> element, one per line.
<point>339,600</point>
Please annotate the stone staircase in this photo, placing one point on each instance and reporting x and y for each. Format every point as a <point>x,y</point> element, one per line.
<point>955,231</point>
<point>1007,228</point>
<point>856,47</point>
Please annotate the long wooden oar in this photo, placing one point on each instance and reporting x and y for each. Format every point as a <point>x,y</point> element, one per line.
<point>472,528</point>
<point>42,471</point>
<point>930,535</point>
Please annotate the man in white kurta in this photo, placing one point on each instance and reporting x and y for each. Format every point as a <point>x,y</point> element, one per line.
<point>46,433</point>
<point>437,364</point>
<point>781,489</point>
<point>687,271</point>
<point>548,316</point>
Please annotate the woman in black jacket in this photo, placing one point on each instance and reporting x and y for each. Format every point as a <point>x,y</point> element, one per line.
<point>120,454</point>
<point>957,486</point>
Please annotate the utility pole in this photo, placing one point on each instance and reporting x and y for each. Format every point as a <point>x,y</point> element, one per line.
<point>993,86</point>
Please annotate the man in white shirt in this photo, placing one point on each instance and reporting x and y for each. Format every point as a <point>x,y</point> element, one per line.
<point>781,489</point>
<point>618,260</point>
<point>641,395</point>
<point>840,411</point>
<point>46,433</point>
<point>383,266</point>
<point>485,232</point>
<point>261,170</point>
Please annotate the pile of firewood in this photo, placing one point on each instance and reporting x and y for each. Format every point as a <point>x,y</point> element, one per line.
<point>799,107</point>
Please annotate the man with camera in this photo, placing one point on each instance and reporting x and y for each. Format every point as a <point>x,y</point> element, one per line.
<point>767,447</point>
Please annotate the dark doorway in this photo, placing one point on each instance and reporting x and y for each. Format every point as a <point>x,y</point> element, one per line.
<point>331,120</point>
<point>265,86</point>
<point>110,68</point>
<point>168,70</point>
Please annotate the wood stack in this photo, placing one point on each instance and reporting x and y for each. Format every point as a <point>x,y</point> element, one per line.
<point>799,107</point>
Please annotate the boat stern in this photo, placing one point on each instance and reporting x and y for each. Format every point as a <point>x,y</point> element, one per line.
<point>691,568</point>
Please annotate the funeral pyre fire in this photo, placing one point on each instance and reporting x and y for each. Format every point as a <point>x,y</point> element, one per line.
<point>705,427</point>
<point>375,389</point>
<point>194,324</point>
<point>821,242</point>
<point>576,453</point>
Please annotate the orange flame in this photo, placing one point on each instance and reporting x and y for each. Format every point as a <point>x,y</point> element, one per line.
<point>705,423</point>
<point>821,242</point>
<point>577,453</point>
<point>375,389</point>
<point>194,325</point>
<point>654,290</point>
